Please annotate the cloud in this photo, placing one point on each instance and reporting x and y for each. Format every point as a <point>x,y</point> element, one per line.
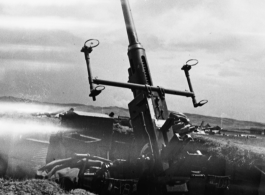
<point>36,54</point>
<point>33,66</point>
<point>212,43</point>
<point>228,69</point>
<point>2,74</point>
<point>39,55</point>
<point>38,37</point>
<point>82,10</point>
<point>36,49</point>
<point>82,16</point>
<point>47,22</point>
<point>154,8</point>
<point>37,2</point>
<point>41,42</point>
<point>195,25</point>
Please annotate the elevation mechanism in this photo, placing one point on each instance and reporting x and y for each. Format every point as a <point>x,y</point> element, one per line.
<point>148,110</point>
<point>94,91</point>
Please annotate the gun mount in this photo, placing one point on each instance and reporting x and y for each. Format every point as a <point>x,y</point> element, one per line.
<point>158,159</point>
<point>138,87</point>
<point>141,84</point>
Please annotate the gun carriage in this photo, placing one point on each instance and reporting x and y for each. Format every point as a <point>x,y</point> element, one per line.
<point>159,158</point>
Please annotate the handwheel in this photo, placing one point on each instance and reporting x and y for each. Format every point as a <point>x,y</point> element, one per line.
<point>91,43</point>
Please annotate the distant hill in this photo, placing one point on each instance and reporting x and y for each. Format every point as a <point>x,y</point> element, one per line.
<point>12,99</point>
<point>226,123</point>
<point>195,119</point>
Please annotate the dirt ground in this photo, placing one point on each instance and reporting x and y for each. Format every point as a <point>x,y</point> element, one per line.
<point>242,151</point>
<point>238,150</point>
<point>36,187</point>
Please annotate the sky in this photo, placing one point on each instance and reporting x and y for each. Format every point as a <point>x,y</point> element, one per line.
<point>40,56</point>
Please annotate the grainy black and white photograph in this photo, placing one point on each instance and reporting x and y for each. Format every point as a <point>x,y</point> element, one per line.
<point>132,97</point>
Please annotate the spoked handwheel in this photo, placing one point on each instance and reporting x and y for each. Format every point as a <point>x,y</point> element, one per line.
<point>91,43</point>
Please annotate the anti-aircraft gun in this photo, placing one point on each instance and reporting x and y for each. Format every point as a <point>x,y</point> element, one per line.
<point>148,109</point>
<point>157,161</point>
<point>150,161</point>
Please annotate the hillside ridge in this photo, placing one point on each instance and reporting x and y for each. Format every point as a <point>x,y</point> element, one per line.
<point>196,119</point>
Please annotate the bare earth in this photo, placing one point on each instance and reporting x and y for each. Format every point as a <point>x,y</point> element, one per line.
<point>36,187</point>
<point>23,122</point>
<point>249,151</point>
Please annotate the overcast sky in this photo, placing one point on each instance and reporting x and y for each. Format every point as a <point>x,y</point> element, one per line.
<point>41,59</point>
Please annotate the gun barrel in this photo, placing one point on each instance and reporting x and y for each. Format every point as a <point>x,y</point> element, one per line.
<point>130,27</point>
